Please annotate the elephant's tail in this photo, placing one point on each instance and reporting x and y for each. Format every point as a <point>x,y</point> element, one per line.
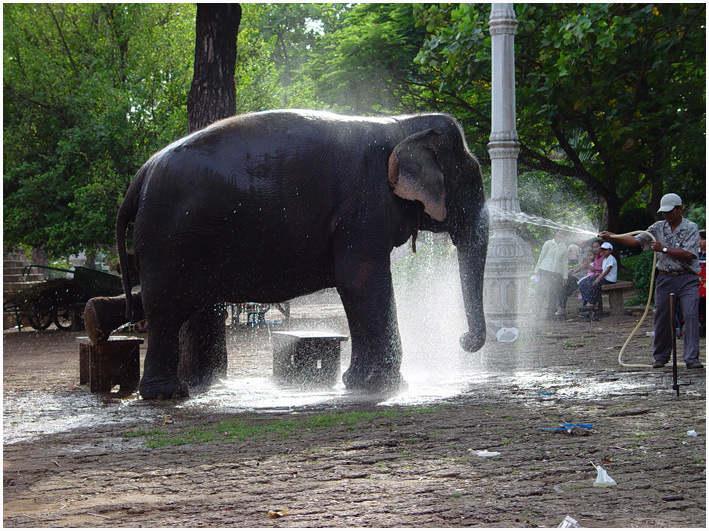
<point>126,215</point>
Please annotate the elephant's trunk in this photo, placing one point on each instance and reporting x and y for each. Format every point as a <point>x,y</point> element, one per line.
<point>472,252</point>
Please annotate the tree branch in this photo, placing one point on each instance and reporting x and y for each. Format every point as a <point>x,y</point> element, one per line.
<point>64,43</point>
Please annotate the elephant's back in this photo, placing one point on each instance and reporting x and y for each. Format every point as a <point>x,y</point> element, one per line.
<point>243,184</point>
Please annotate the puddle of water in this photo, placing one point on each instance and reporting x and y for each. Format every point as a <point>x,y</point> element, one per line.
<point>31,414</point>
<point>27,415</point>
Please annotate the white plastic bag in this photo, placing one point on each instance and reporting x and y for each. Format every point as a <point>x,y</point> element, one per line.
<point>603,479</point>
<point>507,335</point>
<point>568,522</point>
<point>486,453</point>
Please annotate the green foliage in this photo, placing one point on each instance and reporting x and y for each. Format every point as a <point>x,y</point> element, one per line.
<point>698,214</point>
<point>365,64</point>
<point>594,98</point>
<point>610,97</point>
<point>90,92</point>
<point>642,274</point>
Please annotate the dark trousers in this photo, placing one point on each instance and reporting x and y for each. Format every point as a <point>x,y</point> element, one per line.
<point>567,290</point>
<point>550,285</point>
<point>589,292</point>
<point>686,289</point>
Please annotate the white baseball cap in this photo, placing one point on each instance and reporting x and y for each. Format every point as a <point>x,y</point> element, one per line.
<point>669,201</point>
<point>606,245</point>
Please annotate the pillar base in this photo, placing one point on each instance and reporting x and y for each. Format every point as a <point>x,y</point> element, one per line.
<point>506,284</point>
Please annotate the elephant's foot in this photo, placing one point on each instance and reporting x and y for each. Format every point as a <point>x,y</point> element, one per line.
<point>201,383</point>
<point>354,377</point>
<point>163,388</point>
<point>378,380</point>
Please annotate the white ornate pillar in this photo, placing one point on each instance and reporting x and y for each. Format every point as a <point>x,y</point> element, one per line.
<point>509,257</point>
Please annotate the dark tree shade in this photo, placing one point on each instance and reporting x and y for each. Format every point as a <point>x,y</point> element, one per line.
<point>213,93</point>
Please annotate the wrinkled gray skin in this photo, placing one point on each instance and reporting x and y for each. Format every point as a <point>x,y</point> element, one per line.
<point>269,206</point>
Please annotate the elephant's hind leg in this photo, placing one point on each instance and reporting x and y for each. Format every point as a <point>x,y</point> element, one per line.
<point>160,369</point>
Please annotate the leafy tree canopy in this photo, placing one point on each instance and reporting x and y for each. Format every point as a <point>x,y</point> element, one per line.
<point>610,97</point>
<point>90,92</point>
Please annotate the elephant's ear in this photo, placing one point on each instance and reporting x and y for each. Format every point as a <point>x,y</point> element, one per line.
<point>415,174</point>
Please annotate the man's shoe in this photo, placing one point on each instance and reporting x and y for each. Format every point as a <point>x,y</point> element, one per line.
<point>695,365</point>
<point>659,364</point>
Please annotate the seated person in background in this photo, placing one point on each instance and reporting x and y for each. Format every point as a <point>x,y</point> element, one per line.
<point>595,268</point>
<point>608,276</point>
<point>577,264</point>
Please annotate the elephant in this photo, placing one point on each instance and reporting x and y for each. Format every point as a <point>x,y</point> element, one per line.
<point>272,205</point>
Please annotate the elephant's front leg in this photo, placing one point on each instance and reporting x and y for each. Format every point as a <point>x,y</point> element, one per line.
<point>368,298</point>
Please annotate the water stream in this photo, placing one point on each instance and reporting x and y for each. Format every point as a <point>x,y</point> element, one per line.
<point>522,218</point>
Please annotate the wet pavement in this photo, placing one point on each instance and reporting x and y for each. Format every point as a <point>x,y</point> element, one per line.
<point>42,395</point>
<point>417,459</point>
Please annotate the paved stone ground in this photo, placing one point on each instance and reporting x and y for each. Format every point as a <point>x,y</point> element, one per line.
<point>356,461</point>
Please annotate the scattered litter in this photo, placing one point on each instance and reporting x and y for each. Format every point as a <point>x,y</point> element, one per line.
<point>676,497</point>
<point>277,513</point>
<point>569,522</point>
<point>167,420</point>
<point>99,516</point>
<point>545,393</point>
<point>507,335</point>
<point>692,433</point>
<point>534,278</point>
<point>603,479</point>
<point>486,453</point>
<point>572,429</point>
<point>650,334</point>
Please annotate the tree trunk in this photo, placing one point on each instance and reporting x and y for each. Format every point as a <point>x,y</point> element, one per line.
<point>203,355</point>
<point>213,93</point>
<point>655,197</point>
<point>613,205</point>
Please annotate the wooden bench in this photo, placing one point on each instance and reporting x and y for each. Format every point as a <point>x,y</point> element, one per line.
<point>615,295</point>
<point>116,362</point>
<point>307,358</point>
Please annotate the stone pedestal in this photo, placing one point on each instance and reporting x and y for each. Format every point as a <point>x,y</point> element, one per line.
<point>307,358</point>
<point>116,362</point>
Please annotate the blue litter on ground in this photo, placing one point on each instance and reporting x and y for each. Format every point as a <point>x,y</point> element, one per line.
<point>567,427</point>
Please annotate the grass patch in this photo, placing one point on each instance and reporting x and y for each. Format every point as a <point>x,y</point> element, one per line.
<point>238,430</point>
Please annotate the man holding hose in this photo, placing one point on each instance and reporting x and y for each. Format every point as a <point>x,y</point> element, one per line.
<point>677,245</point>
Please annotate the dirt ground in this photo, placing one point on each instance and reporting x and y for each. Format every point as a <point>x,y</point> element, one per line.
<point>476,458</point>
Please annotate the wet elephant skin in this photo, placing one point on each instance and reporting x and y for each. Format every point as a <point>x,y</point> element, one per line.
<point>268,206</point>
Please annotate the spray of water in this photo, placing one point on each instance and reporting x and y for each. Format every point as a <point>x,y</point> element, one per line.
<point>523,218</point>
<point>431,316</point>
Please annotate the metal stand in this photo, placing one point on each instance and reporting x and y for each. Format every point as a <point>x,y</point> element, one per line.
<point>673,326</point>
<point>675,384</point>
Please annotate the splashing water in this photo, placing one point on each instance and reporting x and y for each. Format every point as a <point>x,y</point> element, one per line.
<point>522,218</point>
